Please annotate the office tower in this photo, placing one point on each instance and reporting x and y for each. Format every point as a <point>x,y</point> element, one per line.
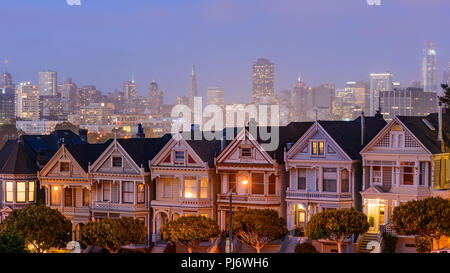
<point>87,94</point>
<point>322,101</point>
<point>68,91</point>
<point>192,87</point>
<point>48,83</point>
<point>379,82</point>
<point>7,104</point>
<point>155,97</point>
<point>360,91</point>
<point>130,90</point>
<point>446,77</point>
<point>284,101</point>
<point>429,68</point>
<point>6,77</point>
<point>262,80</point>
<point>215,96</point>
<point>28,107</point>
<point>407,102</point>
<point>301,101</point>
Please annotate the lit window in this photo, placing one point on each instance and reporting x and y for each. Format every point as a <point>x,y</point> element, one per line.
<point>9,192</point>
<point>55,195</point>
<point>31,186</point>
<point>408,175</point>
<point>21,192</point>
<point>190,187</point>
<point>117,161</point>
<point>167,188</point>
<point>318,148</point>
<point>140,193</point>
<point>85,197</point>
<point>204,187</point>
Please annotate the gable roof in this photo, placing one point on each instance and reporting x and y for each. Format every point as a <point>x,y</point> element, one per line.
<point>142,150</point>
<point>347,134</point>
<point>206,149</point>
<point>424,134</point>
<point>17,159</point>
<point>86,154</point>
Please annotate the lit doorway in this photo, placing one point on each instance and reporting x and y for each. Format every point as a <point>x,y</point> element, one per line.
<point>375,214</point>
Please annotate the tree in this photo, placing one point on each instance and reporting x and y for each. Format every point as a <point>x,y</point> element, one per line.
<point>427,218</point>
<point>11,243</point>
<point>190,231</point>
<point>335,225</point>
<point>40,226</point>
<point>446,98</point>
<point>113,233</point>
<point>257,227</point>
<point>305,248</point>
<point>65,125</point>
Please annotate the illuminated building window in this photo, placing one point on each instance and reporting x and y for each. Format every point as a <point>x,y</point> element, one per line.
<point>167,187</point>
<point>140,193</point>
<point>21,192</point>
<point>204,187</point>
<point>190,187</point>
<point>86,197</point>
<point>55,195</point>
<point>318,148</point>
<point>31,186</point>
<point>9,192</point>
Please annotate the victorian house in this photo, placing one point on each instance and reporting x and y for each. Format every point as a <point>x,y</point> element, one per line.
<point>67,183</point>
<point>120,179</point>
<point>251,168</point>
<point>20,161</point>
<point>186,180</point>
<point>408,160</point>
<point>324,167</point>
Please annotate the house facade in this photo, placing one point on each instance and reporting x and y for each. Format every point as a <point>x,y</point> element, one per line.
<point>67,182</point>
<point>185,179</point>
<point>324,168</point>
<point>120,179</point>
<point>408,160</point>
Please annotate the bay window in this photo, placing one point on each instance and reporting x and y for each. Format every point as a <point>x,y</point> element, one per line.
<point>204,187</point>
<point>301,179</point>
<point>127,192</point>
<point>257,183</point>
<point>21,192</point>
<point>31,191</point>
<point>9,192</point>
<point>190,187</point>
<point>140,193</point>
<point>55,195</point>
<point>329,180</point>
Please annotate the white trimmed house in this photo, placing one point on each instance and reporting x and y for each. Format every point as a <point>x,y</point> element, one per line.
<point>186,181</point>
<point>405,162</point>
<point>324,168</point>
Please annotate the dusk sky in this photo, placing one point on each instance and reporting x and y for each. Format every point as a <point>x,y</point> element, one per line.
<point>104,42</point>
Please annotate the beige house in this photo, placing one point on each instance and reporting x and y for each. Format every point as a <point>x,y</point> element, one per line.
<point>186,181</point>
<point>67,183</point>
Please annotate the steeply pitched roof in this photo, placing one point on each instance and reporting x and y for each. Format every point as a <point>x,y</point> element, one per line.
<point>206,149</point>
<point>17,159</point>
<point>424,134</point>
<point>86,153</point>
<point>347,134</point>
<point>142,150</point>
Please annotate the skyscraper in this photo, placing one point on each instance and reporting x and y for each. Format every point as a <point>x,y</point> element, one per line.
<point>429,68</point>
<point>301,100</point>
<point>215,95</point>
<point>28,107</point>
<point>155,97</point>
<point>379,82</point>
<point>68,91</point>
<point>193,87</point>
<point>48,83</point>
<point>6,77</point>
<point>262,80</point>
<point>446,77</point>
<point>130,90</point>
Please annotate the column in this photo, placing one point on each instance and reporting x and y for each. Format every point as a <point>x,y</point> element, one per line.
<point>416,172</point>
<point>134,193</point>
<point>120,192</point>
<point>426,175</point>
<point>363,178</point>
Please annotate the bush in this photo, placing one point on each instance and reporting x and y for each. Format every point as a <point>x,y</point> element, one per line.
<point>11,243</point>
<point>305,248</point>
<point>299,231</point>
<point>424,244</point>
<point>389,242</point>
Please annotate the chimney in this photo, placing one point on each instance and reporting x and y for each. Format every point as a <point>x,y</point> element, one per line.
<point>440,137</point>
<point>83,134</point>
<point>140,132</point>
<point>363,129</point>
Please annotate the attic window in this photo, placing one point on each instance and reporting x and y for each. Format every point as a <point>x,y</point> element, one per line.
<point>179,156</point>
<point>246,152</point>
<point>117,161</point>
<point>64,166</point>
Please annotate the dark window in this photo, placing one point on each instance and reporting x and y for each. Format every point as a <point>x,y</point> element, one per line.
<point>329,185</point>
<point>117,161</point>
<point>127,192</point>
<point>64,166</point>
<point>257,183</point>
<point>345,187</point>
<point>68,197</point>
<point>232,182</point>
<point>179,156</point>
<point>422,174</point>
<point>272,184</point>
<point>301,179</point>
<point>106,191</point>
<point>408,176</point>
<point>246,152</point>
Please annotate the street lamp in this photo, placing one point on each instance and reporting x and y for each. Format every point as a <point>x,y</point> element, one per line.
<point>230,193</point>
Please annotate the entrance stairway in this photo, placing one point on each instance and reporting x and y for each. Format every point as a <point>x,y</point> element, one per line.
<point>158,248</point>
<point>367,238</point>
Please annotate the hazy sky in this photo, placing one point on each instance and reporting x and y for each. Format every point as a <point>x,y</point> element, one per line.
<point>104,42</point>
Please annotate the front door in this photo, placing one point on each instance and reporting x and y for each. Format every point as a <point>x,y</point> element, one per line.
<point>375,214</point>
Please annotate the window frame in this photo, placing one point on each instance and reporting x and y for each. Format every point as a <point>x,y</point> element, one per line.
<point>127,193</point>
<point>61,167</point>
<point>24,192</point>
<point>113,161</point>
<point>259,183</point>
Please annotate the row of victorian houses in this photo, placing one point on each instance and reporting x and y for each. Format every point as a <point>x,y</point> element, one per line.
<point>365,163</point>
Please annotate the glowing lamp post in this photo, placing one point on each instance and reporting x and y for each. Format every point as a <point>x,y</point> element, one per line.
<point>230,193</point>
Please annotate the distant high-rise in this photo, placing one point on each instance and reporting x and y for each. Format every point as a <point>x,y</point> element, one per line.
<point>7,111</point>
<point>68,91</point>
<point>429,68</point>
<point>193,92</point>
<point>301,101</point>
<point>262,80</point>
<point>6,77</point>
<point>28,106</point>
<point>215,95</point>
<point>48,83</point>
<point>155,97</point>
<point>379,82</point>
<point>130,90</point>
<point>360,91</point>
<point>446,77</point>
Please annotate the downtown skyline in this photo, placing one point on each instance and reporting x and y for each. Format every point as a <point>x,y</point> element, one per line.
<point>117,43</point>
